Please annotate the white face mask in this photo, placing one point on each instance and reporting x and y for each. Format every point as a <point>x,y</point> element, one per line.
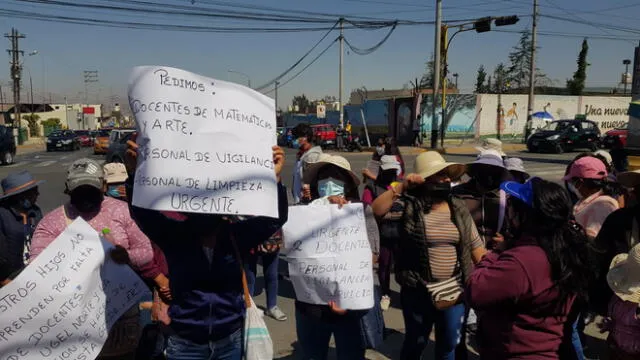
<point>574,190</point>
<point>330,187</point>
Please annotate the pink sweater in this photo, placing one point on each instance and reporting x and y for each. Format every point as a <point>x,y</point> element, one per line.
<point>114,214</point>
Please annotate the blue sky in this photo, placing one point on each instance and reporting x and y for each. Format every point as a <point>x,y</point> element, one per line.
<point>66,50</point>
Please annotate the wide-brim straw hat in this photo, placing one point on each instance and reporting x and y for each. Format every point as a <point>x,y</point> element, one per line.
<point>629,179</point>
<point>311,173</point>
<point>430,163</point>
<point>624,275</point>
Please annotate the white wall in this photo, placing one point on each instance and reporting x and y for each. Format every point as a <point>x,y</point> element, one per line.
<point>607,112</point>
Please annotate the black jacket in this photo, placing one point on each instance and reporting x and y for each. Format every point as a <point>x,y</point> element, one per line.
<point>15,236</point>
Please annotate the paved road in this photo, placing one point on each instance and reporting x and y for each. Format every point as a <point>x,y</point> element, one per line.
<point>52,168</point>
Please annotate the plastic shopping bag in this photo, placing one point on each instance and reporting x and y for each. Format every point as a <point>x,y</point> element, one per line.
<point>257,342</point>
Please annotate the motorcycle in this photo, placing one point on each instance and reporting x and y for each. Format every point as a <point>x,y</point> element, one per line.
<point>352,143</point>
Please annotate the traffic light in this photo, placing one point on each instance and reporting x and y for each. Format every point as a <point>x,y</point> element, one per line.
<point>482,25</point>
<point>506,20</point>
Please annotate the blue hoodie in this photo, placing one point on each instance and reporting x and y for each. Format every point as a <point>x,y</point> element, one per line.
<point>208,300</point>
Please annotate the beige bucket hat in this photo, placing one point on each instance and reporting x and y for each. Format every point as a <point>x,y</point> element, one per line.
<point>430,163</point>
<point>311,173</point>
<point>629,179</point>
<point>624,275</point>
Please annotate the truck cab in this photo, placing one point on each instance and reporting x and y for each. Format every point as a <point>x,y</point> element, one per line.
<point>633,136</point>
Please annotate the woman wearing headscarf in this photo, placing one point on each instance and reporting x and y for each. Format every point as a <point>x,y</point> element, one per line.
<point>525,288</point>
<point>332,182</point>
<point>438,246</point>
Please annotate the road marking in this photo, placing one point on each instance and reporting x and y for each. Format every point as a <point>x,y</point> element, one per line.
<point>16,164</point>
<point>46,163</point>
<point>64,157</point>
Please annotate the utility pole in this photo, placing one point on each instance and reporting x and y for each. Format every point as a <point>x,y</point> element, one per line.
<point>341,72</point>
<point>90,76</point>
<point>16,72</point>
<point>499,111</point>
<point>277,83</point>
<point>31,91</point>
<point>436,75</point>
<point>532,75</point>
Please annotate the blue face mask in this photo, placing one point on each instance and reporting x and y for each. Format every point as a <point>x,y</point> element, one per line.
<point>330,187</point>
<point>26,204</point>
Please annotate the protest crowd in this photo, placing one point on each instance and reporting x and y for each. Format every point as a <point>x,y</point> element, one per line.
<point>480,249</point>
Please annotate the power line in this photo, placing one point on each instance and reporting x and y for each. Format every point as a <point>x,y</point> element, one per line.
<point>299,60</point>
<point>571,35</point>
<point>306,67</point>
<point>592,23</point>
<point>373,48</point>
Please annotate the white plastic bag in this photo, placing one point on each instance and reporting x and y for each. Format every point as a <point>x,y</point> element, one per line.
<point>257,342</point>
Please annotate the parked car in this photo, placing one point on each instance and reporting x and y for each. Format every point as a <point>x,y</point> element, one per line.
<point>565,135</point>
<point>610,136</point>
<point>63,140</point>
<point>117,149</point>
<point>85,137</point>
<point>7,145</point>
<point>326,134</point>
<point>101,142</point>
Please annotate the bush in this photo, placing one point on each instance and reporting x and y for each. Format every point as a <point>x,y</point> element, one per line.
<point>52,122</point>
<point>34,127</point>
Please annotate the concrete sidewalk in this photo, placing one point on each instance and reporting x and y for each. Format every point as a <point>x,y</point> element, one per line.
<point>29,148</point>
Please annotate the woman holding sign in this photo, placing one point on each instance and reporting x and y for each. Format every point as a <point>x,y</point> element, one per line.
<point>438,246</point>
<point>332,182</point>
<point>206,277</point>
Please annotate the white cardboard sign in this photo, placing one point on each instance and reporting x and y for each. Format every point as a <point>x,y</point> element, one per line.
<point>205,144</point>
<point>329,255</point>
<point>64,303</point>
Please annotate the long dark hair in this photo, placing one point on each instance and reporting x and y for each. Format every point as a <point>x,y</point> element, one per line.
<point>391,148</point>
<point>564,242</point>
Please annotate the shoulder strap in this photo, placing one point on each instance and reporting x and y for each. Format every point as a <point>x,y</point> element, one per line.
<point>635,233</point>
<point>501,210</point>
<point>245,286</point>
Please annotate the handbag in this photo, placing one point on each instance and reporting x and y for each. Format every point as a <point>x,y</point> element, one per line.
<point>372,325</point>
<point>257,341</point>
<point>447,293</point>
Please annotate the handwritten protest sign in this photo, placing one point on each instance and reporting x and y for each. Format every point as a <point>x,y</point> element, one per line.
<point>205,144</point>
<point>329,255</point>
<point>64,303</point>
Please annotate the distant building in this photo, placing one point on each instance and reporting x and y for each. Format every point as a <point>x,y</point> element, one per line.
<point>72,116</point>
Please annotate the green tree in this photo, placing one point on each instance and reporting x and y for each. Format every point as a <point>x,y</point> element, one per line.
<point>489,87</point>
<point>34,127</point>
<point>302,103</point>
<point>575,86</point>
<point>520,64</point>
<point>481,78</point>
<point>426,81</point>
<point>54,122</point>
<point>500,76</point>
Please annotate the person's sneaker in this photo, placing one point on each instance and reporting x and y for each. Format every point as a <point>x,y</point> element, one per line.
<point>276,314</point>
<point>385,303</point>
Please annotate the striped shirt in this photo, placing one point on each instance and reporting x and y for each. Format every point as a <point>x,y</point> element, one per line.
<point>442,238</point>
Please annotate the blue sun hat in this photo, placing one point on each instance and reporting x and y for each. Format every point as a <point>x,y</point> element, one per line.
<point>522,192</point>
<point>17,183</point>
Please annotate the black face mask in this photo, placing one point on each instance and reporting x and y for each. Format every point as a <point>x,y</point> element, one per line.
<point>87,200</point>
<point>440,191</point>
<point>489,181</point>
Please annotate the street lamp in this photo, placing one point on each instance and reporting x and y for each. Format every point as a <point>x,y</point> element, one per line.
<point>480,25</point>
<point>44,90</point>
<point>243,74</point>
<point>455,75</point>
<point>626,63</point>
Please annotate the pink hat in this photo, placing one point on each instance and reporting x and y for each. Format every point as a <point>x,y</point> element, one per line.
<point>587,168</point>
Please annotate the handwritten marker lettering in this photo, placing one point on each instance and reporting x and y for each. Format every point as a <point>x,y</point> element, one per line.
<point>198,153</point>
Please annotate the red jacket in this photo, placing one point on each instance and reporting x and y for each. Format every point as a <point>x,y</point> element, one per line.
<point>514,296</point>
